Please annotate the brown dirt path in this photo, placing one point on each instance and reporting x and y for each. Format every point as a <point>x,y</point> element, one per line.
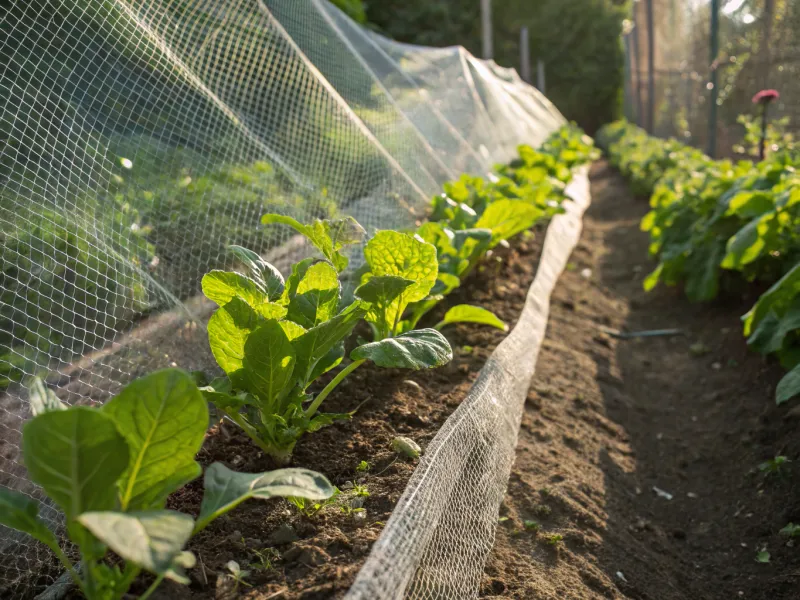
<point>608,420</point>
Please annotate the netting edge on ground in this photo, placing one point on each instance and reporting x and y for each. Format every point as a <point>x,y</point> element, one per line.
<point>424,550</point>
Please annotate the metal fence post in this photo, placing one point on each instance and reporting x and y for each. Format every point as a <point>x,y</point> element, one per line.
<point>540,75</point>
<point>486,28</point>
<point>712,111</point>
<point>651,69</point>
<point>524,55</point>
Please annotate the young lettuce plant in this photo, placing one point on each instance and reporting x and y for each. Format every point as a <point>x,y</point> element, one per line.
<point>274,345</point>
<point>110,470</point>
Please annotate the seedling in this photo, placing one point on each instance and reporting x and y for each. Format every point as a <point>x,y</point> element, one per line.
<point>309,507</point>
<point>237,574</point>
<point>790,530</point>
<point>110,471</point>
<point>531,525</point>
<point>542,510</point>
<point>362,467</point>
<point>360,491</point>
<point>264,559</point>
<point>275,338</point>
<point>553,539</point>
<point>774,466</point>
<point>762,556</point>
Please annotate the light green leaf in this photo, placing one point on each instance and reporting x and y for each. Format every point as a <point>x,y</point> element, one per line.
<point>268,361</point>
<point>152,540</point>
<point>329,236</point>
<point>651,281</point>
<point>292,329</point>
<point>20,512</point>
<point>507,218</point>
<point>226,489</point>
<point>42,398</point>
<point>402,255</point>
<point>222,286</point>
<point>77,456</point>
<point>381,291</point>
<point>228,330</point>
<point>465,313</point>
<point>317,296</point>
<point>751,242</point>
<point>748,205</point>
<point>418,349</point>
<point>788,386</point>
<point>261,270</point>
<point>317,342</point>
<point>164,418</point>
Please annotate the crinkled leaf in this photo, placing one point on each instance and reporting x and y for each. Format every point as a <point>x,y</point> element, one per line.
<point>418,349</point>
<point>507,218</point>
<point>788,386</point>
<point>465,313</point>
<point>228,330</point>
<point>268,361</point>
<point>406,256</point>
<point>77,456</point>
<point>316,297</point>
<point>164,418</point>
<point>226,489</point>
<point>153,540</point>
<point>42,398</point>
<point>222,286</point>
<point>329,236</point>
<point>261,270</point>
<point>21,512</point>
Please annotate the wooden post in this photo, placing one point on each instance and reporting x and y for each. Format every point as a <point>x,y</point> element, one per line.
<point>524,55</point>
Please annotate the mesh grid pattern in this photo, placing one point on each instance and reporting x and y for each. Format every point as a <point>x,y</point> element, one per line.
<point>139,139</point>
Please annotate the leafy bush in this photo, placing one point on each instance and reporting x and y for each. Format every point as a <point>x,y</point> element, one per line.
<point>712,219</point>
<point>110,471</point>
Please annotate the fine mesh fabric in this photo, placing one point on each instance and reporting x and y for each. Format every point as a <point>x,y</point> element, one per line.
<point>139,139</point>
<point>435,544</point>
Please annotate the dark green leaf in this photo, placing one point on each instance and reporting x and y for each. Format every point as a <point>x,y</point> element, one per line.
<point>789,386</point>
<point>261,270</point>
<point>268,361</point>
<point>21,512</point>
<point>418,349</point>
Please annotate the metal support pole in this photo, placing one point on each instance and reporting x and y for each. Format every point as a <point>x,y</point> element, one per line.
<point>651,69</point>
<point>540,76</point>
<point>486,28</point>
<point>637,70</point>
<point>524,55</point>
<point>628,90</point>
<point>712,109</point>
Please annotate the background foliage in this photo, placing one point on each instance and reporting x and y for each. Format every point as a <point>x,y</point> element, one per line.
<point>579,41</point>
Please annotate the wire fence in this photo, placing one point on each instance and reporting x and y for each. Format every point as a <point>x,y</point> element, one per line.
<point>693,66</point>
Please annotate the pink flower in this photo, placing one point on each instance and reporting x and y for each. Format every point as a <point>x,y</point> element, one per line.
<point>766,96</point>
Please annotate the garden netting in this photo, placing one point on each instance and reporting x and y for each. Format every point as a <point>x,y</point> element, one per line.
<point>139,139</point>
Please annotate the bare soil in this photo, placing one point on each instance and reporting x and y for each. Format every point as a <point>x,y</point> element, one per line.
<point>643,454</point>
<point>314,557</point>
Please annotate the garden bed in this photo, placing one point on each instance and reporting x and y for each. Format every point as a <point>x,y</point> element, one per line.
<point>609,420</point>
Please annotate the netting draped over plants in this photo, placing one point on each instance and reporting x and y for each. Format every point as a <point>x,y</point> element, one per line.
<point>139,139</point>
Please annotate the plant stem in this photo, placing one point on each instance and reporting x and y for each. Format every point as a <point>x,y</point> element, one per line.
<point>248,429</point>
<point>763,142</point>
<point>53,545</point>
<point>439,325</point>
<point>332,385</point>
<point>152,587</point>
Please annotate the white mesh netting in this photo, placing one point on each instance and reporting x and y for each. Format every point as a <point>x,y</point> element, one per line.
<point>139,138</point>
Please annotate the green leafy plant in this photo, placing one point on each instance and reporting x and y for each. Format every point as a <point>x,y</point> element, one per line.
<point>773,466</point>
<point>790,530</point>
<point>275,338</point>
<point>110,470</point>
<point>553,539</point>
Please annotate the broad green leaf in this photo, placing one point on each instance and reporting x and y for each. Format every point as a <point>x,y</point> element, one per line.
<point>748,205</point>
<point>298,272</point>
<point>406,256</point>
<point>292,329</point>
<point>329,236</point>
<point>317,342</point>
<point>222,286</point>
<point>261,270</point>
<point>42,398</point>
<point>20,512</point>
<point>228,330</point>
<point>77,456</point>
<point>268,361</point>
<point>702,267</point>
<point>316,297</point>
<point>418,349</point>
<point>507,218</point>
<point>152,540</point>
<point>771,331</point>
<point>788,386</point>
<point>777,298</point>
<point>226,489</point>
<point>750,242</point>
<point>164,418</point>
<point>329,361</point>
<point>465,313</point>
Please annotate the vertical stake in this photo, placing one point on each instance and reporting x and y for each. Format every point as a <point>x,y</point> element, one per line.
<point>712,109</point>
<point>524,55</point>
<point>486,28</point>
